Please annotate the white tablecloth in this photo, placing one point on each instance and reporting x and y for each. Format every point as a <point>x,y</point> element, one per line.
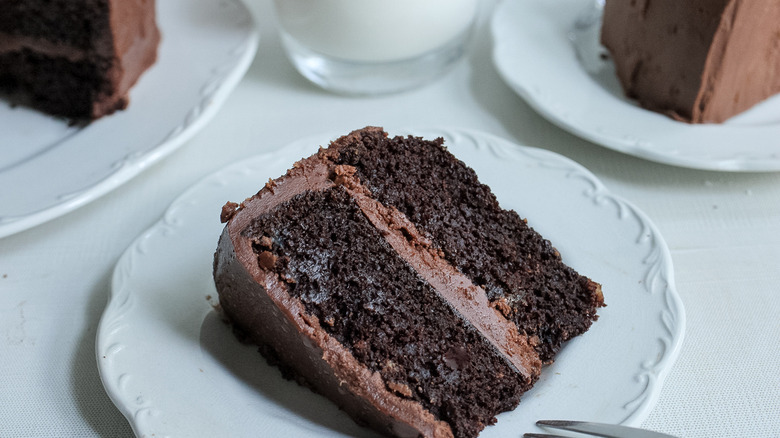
<point>723,230</point>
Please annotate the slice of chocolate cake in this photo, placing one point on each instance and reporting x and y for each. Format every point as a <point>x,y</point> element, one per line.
<point>699,61</point>
<point>383,275</point>
<point>75,58</point>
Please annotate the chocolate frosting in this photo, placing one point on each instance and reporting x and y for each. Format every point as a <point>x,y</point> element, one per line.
<point>699,61</point>
<point>135,41</point>
<point>15,43</point>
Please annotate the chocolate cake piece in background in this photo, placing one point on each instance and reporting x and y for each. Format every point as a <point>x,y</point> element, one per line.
<point>698,61</point>
<point>332,271</point>
<point>75,58</point>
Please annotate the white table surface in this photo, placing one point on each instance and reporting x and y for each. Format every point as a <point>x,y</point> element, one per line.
<point>723,230</point>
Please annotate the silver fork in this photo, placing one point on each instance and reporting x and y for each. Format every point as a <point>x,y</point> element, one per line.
<point>595,429</point>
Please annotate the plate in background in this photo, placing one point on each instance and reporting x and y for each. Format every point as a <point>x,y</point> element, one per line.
<point>48,168</point>
<point>558,70</point>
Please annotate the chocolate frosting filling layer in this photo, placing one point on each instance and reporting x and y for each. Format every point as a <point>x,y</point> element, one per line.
<point>15,43</point>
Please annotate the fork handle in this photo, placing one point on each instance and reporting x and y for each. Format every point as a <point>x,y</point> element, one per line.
<point>602,430</point>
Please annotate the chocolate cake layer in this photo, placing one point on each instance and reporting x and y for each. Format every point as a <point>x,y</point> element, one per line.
<point>76,23</point>
<point>77,59</point>
<point>699,61</point>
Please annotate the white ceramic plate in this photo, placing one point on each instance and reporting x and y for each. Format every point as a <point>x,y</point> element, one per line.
<point>48,168</point>
<point>175,369</point>
<point>536,51</point>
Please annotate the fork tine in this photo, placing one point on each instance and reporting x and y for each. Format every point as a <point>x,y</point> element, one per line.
<point>601,430</point>
<point>542,435</point>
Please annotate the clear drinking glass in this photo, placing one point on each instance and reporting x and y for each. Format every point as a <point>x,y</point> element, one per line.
<point>368,47</point>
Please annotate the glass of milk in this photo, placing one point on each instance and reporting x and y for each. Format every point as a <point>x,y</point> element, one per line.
<point>371,47</point>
